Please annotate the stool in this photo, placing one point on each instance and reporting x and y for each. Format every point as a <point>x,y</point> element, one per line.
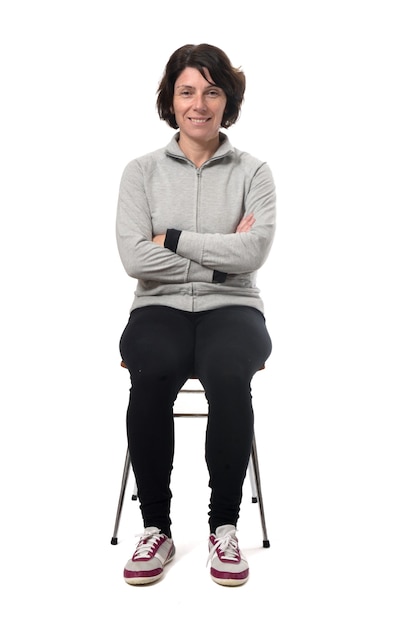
<point>254,473</point>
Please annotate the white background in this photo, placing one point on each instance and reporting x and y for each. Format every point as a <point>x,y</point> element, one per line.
<point>331,105</point>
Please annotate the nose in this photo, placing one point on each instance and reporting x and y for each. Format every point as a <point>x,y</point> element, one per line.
<point>199,103</point>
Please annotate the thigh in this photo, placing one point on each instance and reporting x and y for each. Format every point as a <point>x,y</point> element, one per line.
<point>231,339</point>
<point>158,341</point>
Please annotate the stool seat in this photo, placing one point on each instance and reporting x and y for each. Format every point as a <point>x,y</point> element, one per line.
<point>123,364</point>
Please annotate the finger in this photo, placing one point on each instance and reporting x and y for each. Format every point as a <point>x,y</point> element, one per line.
<point>245,224</point>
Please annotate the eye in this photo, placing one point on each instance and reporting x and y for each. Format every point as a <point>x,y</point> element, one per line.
<point>213,93</point>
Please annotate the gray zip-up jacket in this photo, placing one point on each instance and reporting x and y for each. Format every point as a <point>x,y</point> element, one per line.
<point>204,264</point>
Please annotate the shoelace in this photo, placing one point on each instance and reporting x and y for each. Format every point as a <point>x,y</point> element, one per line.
<point>227,545</point>
<point>146,544</point>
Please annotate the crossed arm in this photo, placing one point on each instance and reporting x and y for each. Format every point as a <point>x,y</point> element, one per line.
<point>244,226</point>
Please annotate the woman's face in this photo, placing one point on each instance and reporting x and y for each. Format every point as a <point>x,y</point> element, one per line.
<point>198,105</point>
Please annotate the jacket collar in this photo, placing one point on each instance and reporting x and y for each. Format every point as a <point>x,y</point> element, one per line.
<point>173,149</point>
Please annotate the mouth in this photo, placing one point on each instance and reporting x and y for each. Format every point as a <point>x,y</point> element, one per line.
<point>198,121</point>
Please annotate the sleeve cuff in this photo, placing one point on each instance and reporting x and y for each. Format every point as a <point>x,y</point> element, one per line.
<point>219,277</point>
<point>171,239</point>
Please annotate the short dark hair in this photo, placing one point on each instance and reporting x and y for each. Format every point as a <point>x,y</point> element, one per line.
<point>231,79</point>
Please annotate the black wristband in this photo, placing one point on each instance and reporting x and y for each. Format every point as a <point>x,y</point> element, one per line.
<point>171,239</point>
<point>219,277</point>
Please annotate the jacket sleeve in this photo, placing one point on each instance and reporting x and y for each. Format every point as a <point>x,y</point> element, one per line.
<point>141,258</point>
<point>238,253</point>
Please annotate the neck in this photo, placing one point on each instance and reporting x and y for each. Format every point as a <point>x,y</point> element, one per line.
<point>198,152</point>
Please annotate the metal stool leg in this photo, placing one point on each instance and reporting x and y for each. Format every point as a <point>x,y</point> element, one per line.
<point>121,497</point>
<point>252,481</point>
<point>254,457</point>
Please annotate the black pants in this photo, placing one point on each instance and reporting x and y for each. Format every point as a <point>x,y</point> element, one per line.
<point>162,347</point>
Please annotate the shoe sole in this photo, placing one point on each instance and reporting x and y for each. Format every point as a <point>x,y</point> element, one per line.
<point>143,580</point>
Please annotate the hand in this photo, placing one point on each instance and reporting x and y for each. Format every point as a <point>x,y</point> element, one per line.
<point>159,240</point>
<point>245,224</point>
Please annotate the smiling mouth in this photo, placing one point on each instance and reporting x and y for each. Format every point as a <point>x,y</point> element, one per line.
<point>198,120</point>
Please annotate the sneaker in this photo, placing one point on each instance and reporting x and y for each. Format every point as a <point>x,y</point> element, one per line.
<point>228,565</point>
<point>153,551</point>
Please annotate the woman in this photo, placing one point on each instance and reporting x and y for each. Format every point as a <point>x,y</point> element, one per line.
<point>195,221</point>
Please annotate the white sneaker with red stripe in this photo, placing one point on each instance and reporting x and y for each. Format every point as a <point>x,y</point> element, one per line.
<point>153,551</point>
<point>228,565</point>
